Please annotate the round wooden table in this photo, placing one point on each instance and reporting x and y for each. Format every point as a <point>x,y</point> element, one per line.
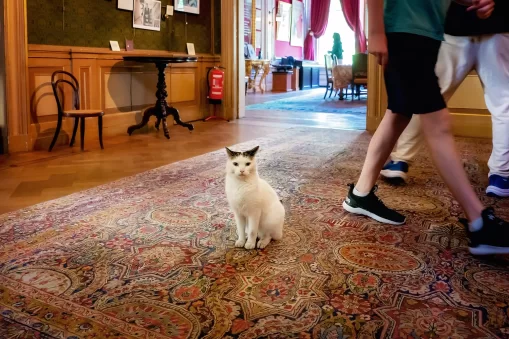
<point>161,109</point>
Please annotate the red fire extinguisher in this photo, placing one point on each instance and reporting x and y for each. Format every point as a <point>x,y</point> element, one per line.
<point>215,78</point>
<point>215,93</point>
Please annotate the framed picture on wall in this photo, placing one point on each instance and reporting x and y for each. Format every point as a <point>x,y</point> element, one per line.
<point>188,6</point>
<point>283,26</point>
<point>297,33</point>
<point>126,5</point>
<point>147,14</point>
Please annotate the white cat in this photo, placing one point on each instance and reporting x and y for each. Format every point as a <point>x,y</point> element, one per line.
<point>258,211</point>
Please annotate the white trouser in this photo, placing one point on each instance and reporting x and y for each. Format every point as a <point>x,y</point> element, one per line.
<point>489,56</point>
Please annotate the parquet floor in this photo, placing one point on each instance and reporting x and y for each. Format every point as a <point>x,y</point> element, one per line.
<point>29,178</point>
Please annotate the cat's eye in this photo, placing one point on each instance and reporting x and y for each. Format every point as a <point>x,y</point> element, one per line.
<point>247,164</point>
<point>235,164</point>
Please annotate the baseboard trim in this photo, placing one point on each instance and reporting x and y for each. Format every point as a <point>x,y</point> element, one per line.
<point>471,125</point>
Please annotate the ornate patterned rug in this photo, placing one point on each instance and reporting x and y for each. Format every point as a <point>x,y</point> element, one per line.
<point>152,256</point>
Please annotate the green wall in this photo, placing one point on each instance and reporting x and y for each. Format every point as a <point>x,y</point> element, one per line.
<point>93,23</point>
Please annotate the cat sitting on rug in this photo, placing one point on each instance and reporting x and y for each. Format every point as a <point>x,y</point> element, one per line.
<point>258,211</point>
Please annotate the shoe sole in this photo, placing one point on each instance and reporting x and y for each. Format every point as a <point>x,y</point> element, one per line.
<point>495,191</point>
<point>365,213</point>
<point>488,250</point>
<point>394,174</point>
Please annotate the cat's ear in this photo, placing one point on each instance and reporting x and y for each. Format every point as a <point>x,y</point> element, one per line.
<point>252,152</point>
<point>231,153</point>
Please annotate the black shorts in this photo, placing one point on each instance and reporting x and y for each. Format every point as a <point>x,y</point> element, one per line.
<point>410,78</point>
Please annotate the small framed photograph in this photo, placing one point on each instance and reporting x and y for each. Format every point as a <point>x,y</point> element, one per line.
<point>188,6</point>
<point>190,49</point>
<point>126,5</point>
<point>129,45</point>
<point>114,46</point>
<point>147,14</point>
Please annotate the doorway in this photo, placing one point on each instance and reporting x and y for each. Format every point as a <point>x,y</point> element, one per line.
<point>301,101</point>
<point>3,111</point>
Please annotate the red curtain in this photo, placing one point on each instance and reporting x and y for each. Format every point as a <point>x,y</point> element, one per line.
<point>355,19</point>
<point>319,20</point>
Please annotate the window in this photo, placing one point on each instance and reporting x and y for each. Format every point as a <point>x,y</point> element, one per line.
<point>337,24</point>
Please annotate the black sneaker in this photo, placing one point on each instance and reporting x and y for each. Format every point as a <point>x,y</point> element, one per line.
<point>492,238</point>
<point>371,206</point>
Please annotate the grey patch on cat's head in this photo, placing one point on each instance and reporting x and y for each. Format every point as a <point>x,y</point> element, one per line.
<point>232,154</point>
<point>251,153</point>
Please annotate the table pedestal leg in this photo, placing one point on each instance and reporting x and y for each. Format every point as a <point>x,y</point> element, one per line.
<point>161,109</point>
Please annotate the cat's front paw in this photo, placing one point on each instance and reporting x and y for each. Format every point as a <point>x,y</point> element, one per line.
<point>240,243</point>
<point>250,245</point>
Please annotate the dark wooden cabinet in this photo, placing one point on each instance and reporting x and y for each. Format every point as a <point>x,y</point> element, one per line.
<point>309,76</point>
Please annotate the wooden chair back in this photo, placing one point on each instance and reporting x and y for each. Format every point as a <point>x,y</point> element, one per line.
<point>56,80</point>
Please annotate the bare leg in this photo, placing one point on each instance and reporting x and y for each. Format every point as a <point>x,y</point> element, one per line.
<point>437,131</point>
<point>380,148</point>
<point>241,230</point>
<point>254,221</point>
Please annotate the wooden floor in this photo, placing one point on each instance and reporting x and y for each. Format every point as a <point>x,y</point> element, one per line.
<point>277,118</point>
<point>30,178</point>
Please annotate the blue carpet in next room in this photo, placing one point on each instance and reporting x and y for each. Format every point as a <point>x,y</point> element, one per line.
<point>353,112</point>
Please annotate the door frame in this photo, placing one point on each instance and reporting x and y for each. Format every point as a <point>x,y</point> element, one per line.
<point>16,71</point>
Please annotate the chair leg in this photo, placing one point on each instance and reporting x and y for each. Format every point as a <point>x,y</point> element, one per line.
<point>331,90</point>
<point>326,90</point>
<point>57,131</point>
<point>82,130</point>
<point>75,129</point>
<point>100,122</point>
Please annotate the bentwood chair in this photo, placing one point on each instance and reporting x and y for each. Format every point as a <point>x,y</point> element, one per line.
<point>78,114</point>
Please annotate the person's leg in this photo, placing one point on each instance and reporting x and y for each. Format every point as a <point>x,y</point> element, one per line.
<point>407,147</point>
<point>456,58</point>
<point>493,70</point>
<point>380,147</point>
<point>436,128</point>
<point>404,51</point>
<point>409,143</point>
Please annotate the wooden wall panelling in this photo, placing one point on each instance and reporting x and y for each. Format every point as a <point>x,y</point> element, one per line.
<point>42,105</point>
<point>467,106</point>
<point>123,90</point>
<point>85,70</point>
<point>206,63</point>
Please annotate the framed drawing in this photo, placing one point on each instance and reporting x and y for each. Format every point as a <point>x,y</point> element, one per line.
<point>147,14</point>
<point>283,26</point>
<point>297,33</point>
<point>126,5</point>
<point>188,6</point>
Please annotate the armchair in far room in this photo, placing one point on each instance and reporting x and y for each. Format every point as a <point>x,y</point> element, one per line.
<point>359,74</point>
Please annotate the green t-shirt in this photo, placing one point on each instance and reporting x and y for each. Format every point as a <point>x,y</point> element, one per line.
<point>421,17</point>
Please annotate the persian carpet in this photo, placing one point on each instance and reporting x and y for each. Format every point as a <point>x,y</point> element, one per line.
<point>153,256</point>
